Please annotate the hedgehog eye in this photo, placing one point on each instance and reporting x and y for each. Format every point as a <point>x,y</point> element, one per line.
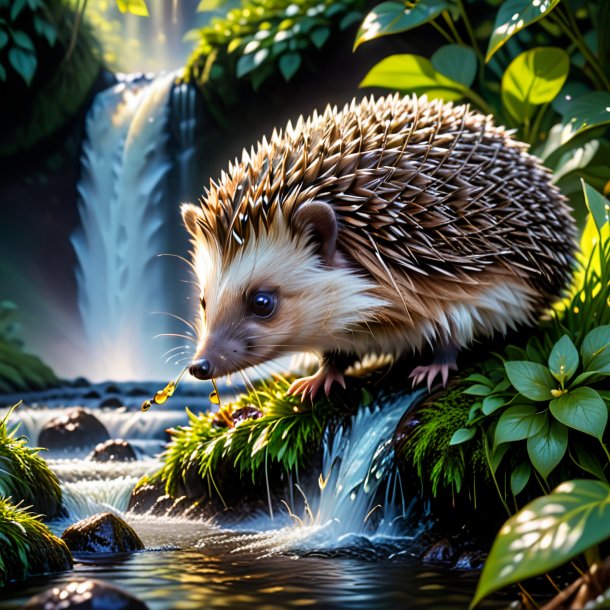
<point>263,303</point>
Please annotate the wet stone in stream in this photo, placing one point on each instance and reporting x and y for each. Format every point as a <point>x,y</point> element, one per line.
<point>85,595</point>
<point>115,450</point>
<point>74,428</point>
<point>102,533</point>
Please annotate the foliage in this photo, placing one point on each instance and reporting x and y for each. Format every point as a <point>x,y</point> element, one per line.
<point>235,55</point>
<point>27,547</point>
<point>427,448</point>
<point>547,533</point>
<point>286,434</point>
<point>542,404</point>
<point>545,72</point>
<point>50,86</point>
<point>24,475</point>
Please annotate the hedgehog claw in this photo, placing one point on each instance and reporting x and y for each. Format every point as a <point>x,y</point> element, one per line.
<point>309,386</point>
<point>428,373</point>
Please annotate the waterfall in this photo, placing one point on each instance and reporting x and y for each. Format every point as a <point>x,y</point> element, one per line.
<point>128,210</point>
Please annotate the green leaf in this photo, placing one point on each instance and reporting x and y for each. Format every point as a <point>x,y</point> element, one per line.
<point>210,5</point>
<point>456,62</point>
<point>518,423</point>
<point>547,533</point>
<point>415,74</point>
<point>513,16</point>
<point>2,73</point>
<point>16,7</point>
<point>462,435</point>
<point>3,39</point>
<point>595,350</point>
<point>480,379</point>
<point>531,379</point>
<point>135,7</point>
<point>320,36</point>
<point>289,64</point>
<point>520,477</point>
<point>547,447</point>
<point>394,17</point>
<point>535,77</point>
<point>582,409</point>
<point>350,19</point>
<point>564,359</point>
<point>589,110</point>
<point>478,389</point>
<point>245,65</point>
<point>492,404</point>
<point>22,40</point>
<point>597,204</point>
<point>588,462</point>
<point>23,62</point>
<point>44,28</point>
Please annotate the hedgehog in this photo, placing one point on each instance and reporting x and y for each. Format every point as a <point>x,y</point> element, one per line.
<point>389,227</point>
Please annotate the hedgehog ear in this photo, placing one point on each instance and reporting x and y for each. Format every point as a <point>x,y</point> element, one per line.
<point>191,215</point>
<point>320,218</point>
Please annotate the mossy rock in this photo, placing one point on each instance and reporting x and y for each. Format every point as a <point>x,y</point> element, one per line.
<point>102,533</point>
<point>25,476</point>
<point>27,546</point>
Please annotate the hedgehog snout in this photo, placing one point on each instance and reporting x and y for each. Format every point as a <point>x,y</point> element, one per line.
<point>201,369</point>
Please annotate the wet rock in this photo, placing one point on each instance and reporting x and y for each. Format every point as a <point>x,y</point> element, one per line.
<point>138,392</point>
<point>112,389</point>
<point>80,382</point>
<point>144,496</point>
<point>92,394</point>
<point>73,429</point>
<point>102,533</point>
<point>471,560</point>
<point>439,552</point>
<point>112,401</point>
<point>115,450</point>
<point>162,505</point>
<point>244,413</point>
<point>85,595</point>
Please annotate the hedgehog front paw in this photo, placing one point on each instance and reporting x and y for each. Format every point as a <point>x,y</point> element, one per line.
<point>309,386</point>
<point>429,373</point>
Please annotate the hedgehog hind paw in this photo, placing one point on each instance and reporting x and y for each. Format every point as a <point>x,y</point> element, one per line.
<point>429,373</point>
<point>310,386</point>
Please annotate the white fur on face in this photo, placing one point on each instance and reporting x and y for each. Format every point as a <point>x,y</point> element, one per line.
<point>317,305</point>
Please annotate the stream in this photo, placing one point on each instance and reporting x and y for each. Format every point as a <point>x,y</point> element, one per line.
<point>265,563</point>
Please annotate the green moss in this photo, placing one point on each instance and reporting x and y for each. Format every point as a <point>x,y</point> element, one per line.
<point>236,54</point>
<point>286,434</point>
<point>27,547</point>
<point>426,449</point>
<point>24,475</point>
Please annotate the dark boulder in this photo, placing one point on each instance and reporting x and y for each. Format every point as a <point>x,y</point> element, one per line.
<point>114,450</point>
<point>144,497</point>
<point>102,533</point>
<point>112,402</point>
<point>76,428</point>
<point>439,552</point>
<point>471,560</point>
<point>85,595</point>
<point>92,394</point>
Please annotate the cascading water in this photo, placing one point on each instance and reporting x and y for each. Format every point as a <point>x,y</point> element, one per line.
<point>128,208</point>
<point>358,462</point>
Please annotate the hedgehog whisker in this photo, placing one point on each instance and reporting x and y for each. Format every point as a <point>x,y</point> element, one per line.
<point>188,262</point>
<point>173,315</point>
<point>173,349</point>
<point>186,337</point>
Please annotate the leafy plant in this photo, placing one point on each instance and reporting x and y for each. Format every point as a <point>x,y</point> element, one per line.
<point>285,434</point>
<point>532,400</point>
<point>24,475</point>
<point>538,66</point>
<point>547,533</point>
<point>27,546</point>
<point>263,39</point>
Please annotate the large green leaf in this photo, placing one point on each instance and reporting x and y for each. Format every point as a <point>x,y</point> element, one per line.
<point>563,360</point>
<point>547,447</point>
<point>582,409</point>
<point>517,423</point>
<point>597,204</point>
<point>414,74</point>
<point>519,478</point>
<point>394,17</point>
<point>24,63</point>
<point>462,435</point>
<point>513,16</point>
<point>289,64</point>
<point>595,349</point>
<point>531,379</point>
<point>534,77</point>
<point>589,110</point>
<point>456,62</point>
<point>547,533</point>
